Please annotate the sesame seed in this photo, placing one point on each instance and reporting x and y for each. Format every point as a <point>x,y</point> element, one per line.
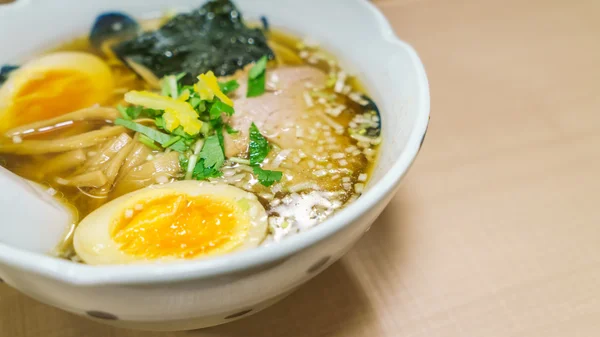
<point>362,177</point>
<point>337,155</point>
<point>343,162</point>
<point>17,139</point>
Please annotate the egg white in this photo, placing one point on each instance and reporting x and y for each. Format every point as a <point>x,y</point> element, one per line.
<point>94,245</point>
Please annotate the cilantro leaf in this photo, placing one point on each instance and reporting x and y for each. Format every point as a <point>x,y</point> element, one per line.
<point>258,147</point>
<point>218,108</point>
<point>212,153</point>
<point>230,130</point>
<point>267,177</point>
<point>229,86</point>
<point>202,172</point>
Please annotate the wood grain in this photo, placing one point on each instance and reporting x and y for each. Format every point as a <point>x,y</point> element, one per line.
<point>495,230</point>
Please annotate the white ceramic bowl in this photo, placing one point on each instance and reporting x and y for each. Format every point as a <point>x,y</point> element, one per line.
<point>197,294</point>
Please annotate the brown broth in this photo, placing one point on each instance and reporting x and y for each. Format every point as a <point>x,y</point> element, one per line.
<point>314,186</point>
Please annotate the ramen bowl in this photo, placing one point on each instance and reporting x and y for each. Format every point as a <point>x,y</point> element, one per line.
<point>202,293</point>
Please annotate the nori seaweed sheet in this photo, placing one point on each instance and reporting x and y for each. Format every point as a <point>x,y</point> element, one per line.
<point>213,37</point>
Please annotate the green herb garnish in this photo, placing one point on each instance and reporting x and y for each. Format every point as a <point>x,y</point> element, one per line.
<point>212,152</point>
<point>259,68</point>
<point>195,102</point>
<point>258,147</point>
<point>202,172</point>
<point>151,133</point>
<point>258,150</point>
<point>135,112</point>
<point>257,78</point>
<point>172,141</point>
<point>142,138</point>
<point>179,146</point>
<point>230,130</point>
<point>218,108</point>
<point>267,177</point>
<point>229,86</point>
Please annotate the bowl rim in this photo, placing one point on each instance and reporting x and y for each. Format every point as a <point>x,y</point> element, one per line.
<point>86,275</point>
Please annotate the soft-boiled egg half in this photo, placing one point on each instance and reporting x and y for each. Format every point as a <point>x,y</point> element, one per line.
<point>177,221</point>
<point>52,85</point>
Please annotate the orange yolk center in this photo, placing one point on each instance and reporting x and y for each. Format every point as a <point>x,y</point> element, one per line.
<point>51,94</point>
<point>176,226</point>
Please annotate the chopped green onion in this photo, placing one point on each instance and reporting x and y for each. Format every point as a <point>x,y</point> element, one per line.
<point>148,142</point>
<point>179,76</point>
<point>155,135</point>
<point>256,87</point>
<point>123,111</point>
<point>160,122</point>
<point>195,102</point>
<point>257,78</point>
<point>173,86</point>
<point>259,68</point>
<point>240,160</point>
<point>172,141</point>
<point>179,146</point>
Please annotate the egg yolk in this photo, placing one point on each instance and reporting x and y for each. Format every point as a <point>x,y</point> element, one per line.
<point>51,94</point>
<point>176,226</point>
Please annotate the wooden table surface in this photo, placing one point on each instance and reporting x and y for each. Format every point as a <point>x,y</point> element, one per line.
<point>496,230</point>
